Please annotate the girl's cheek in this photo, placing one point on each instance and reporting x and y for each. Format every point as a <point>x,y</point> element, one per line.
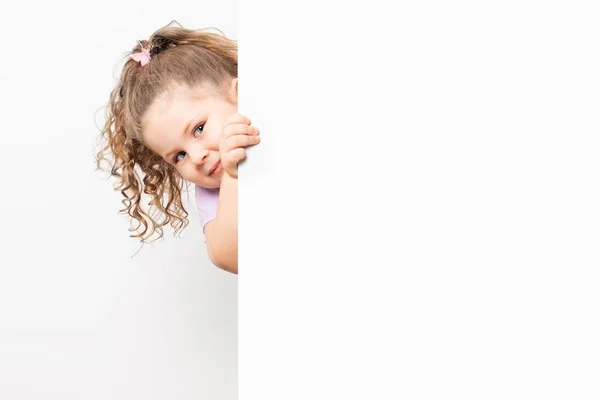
<point>214,137</point>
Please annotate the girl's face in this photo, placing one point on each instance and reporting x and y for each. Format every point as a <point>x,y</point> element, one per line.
<point>183,126</point>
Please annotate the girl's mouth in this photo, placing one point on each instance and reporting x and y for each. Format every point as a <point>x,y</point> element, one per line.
<point>216,168</point>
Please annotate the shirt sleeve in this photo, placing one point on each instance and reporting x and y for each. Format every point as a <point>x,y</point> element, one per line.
<point>207,201</point>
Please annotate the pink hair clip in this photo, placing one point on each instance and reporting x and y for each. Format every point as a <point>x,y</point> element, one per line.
<point>143,57</point>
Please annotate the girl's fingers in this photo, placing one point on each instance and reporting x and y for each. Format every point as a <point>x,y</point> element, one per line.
<point>237,141</point>
<point>235,155</point>
<point>237,118</point>
<point>239,129</point>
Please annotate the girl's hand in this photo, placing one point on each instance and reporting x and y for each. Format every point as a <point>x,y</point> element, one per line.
<point>236,135</point>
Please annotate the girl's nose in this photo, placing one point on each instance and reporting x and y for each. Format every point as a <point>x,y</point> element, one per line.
<point>198,156</point>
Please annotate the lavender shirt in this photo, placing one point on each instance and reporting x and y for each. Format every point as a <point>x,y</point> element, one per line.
<point>206,204</point>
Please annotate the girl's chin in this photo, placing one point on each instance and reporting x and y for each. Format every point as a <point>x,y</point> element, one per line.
<point>214,183</point>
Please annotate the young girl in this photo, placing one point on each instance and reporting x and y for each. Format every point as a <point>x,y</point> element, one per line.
<point>173,118</point>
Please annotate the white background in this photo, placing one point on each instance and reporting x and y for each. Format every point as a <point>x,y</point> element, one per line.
<point>422,217</point>
<point>80,318</point>
<point>419,222</point>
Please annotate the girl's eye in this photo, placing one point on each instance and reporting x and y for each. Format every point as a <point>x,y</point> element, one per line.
<point>198,131</point>
<point>179,156</point>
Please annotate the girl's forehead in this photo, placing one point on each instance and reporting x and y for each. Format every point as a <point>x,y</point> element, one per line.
<point>173,93</point>
<point>174,105</point>
<point>170,101</point>
<point>179,94</point>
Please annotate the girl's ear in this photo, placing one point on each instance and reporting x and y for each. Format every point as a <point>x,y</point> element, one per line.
<point>233,89</point>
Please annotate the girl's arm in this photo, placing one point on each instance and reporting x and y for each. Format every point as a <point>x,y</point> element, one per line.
<point>222,232</point>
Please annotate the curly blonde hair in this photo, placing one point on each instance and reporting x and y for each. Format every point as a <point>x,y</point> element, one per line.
<point>178,56</point>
